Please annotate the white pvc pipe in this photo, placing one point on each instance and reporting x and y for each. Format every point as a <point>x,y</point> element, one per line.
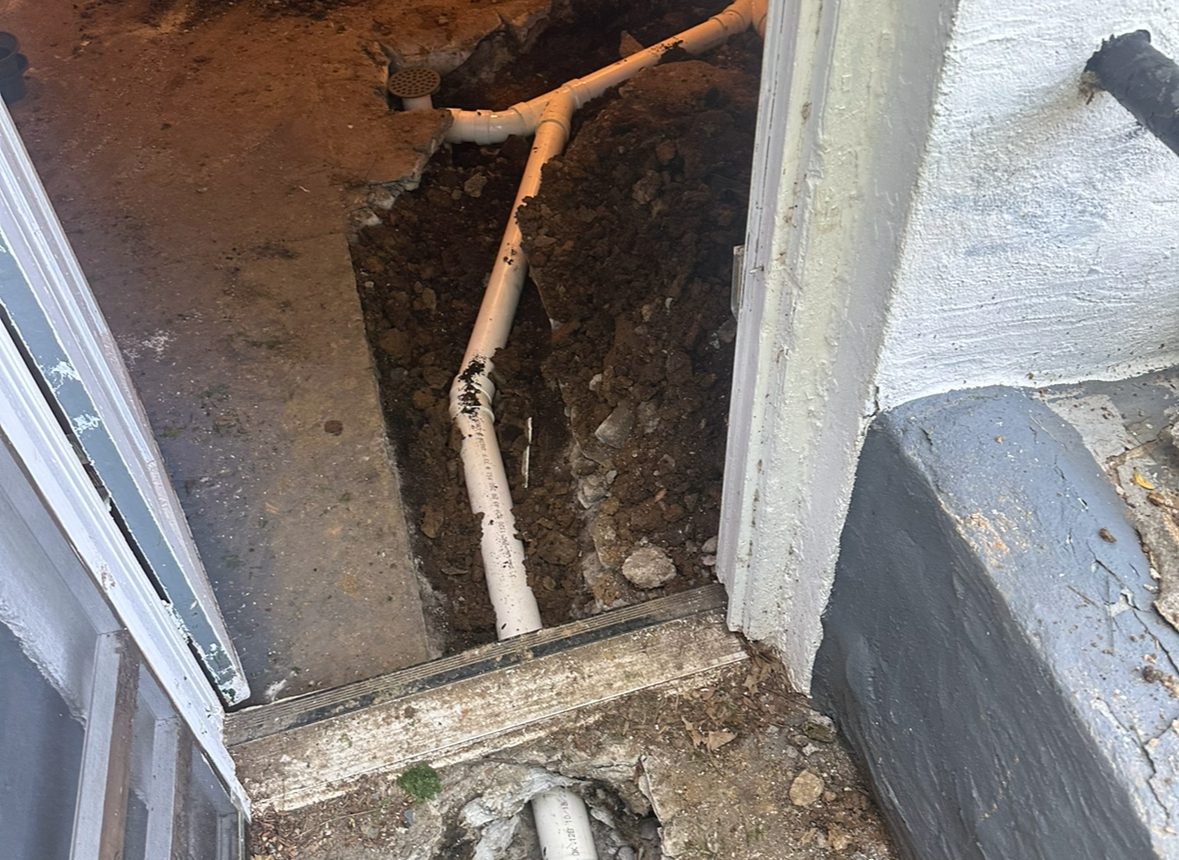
<point>563,826</point>
<point>483,127</point>
<point>417,102</point>
<point>471,397</point>
<point>562,820</point>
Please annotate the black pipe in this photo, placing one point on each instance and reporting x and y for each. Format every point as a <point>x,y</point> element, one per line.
<point>1144,81</point>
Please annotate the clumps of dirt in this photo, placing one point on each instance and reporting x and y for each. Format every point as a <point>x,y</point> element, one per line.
<point>578,37</point>
<point>630,243</point>
<point>612,424</point>
<point>421,274</point>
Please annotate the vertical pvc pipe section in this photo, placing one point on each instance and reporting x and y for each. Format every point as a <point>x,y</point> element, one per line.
<point>562,826</point>
<point>472,393</point>
<point>418,103</point>
<point>562,819</point>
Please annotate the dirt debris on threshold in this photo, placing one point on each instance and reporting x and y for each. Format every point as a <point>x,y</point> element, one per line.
<point>729,764</point>
<point>613,423</point>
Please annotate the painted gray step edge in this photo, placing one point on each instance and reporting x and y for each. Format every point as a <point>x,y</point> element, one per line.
<point>985,645</point>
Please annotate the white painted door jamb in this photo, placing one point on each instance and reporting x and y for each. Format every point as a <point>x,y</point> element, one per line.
<point>847,95</point>
<point>33,433</point>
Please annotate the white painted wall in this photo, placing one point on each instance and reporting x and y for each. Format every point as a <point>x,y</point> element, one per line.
<point>934,207</point>
<point>848,88</point>
<point>1043,242</point>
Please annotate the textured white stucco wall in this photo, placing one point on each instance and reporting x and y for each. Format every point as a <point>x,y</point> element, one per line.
<point>1042,242</point>
<point>847,93</point>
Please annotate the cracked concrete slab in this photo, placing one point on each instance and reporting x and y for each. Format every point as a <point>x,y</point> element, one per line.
<point>702,768</point>
<point>444,36</point>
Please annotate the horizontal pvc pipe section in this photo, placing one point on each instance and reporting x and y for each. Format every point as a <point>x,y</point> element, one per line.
<point>485,126</point>
<point>562,820</point>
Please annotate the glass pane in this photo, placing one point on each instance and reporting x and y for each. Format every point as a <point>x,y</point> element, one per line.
<point>139,789</point>
<point>41,751</point>
<point>211,821</point>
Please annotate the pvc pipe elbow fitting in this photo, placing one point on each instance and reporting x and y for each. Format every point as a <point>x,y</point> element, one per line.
<point>484,126</point>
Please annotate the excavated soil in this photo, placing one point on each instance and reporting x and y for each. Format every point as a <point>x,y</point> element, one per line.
<point>733,765</point>
<point>614,386</point>
<point>631,241</point>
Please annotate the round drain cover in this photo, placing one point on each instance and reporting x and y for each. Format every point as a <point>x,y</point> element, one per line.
<point>414,82</point>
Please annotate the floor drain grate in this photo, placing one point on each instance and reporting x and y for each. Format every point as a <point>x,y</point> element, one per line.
<point>414,82</point>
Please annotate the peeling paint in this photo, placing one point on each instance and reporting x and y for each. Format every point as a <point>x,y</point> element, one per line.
<point>84,422</point>
<point>61,373</point>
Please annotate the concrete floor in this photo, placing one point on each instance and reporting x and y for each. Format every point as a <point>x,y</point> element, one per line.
<point>204,169</point>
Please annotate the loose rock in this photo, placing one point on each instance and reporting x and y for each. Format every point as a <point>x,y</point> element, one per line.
<point>605,539</point>
<point>648,567</point>
<point>432,519</point>
<point>397,344</point>
<point>475,185</point>
<point>591,489</point>
<point>820,729</point>
<point>806,788</point>
<point>617,427</point>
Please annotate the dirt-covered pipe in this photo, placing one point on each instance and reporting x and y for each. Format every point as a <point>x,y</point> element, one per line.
<point>1144,80</point>
<point>562,819</point>
<point>472,393</point>
<point>485,126</point>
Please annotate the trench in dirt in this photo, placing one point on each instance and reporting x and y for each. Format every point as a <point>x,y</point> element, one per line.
<point>613,390</point>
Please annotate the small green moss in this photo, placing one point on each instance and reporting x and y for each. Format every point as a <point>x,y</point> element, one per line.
<point>421,782</point>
